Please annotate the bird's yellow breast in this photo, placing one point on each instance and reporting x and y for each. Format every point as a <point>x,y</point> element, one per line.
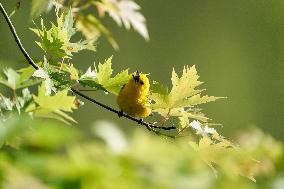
<point>132,99</point>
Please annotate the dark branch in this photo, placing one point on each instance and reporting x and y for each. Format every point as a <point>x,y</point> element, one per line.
<point>17,39</point>
<point>32,63</point>
<point>119,113</point>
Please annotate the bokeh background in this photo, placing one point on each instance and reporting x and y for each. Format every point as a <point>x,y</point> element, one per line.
<point>237,47</point>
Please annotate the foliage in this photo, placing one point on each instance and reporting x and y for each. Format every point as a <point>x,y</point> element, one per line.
<point>55,156</point>
<point>183,96</point>
<point>123,12</point>
<point>15,81</point>
<point>56,40</point>
<point>57,77</point>
<point>102,79</point>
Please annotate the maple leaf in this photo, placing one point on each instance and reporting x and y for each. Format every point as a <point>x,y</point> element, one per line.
<point>54,106</point>
<point>56,41</point>
<point>125,12</point>
<point>14,80</point>
<point>101,79</point>
<point>183,98</point>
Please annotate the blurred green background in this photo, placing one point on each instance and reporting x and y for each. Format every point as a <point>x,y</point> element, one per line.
<point>236,45</point>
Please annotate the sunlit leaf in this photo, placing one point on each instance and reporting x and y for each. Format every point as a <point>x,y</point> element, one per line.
<point>49,86</point>
<point>60,101</point>
<point>74,75</point>
<point>182,98</point>
<point>17,79</point>
<point>56,40</point>
<point>103,79</point>
<point>125,12</point>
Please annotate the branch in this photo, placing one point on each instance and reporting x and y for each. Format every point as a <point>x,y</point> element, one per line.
<point>149,126</point>
<point>121,114</point>
<point>17,39</point>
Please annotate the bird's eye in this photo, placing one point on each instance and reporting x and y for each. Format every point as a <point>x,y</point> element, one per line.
<point>141,83</point>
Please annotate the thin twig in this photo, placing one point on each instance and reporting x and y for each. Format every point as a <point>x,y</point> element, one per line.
<point>121,114</point>
<point>149,126</point>
<point>17,39</point>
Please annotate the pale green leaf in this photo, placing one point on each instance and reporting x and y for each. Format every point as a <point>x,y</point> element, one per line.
<point>17,79</point>
<point>13,78</point>
<point>114,85</point>
<point>184,86</point>
<point>60,101</point>
<point>102,80</point>
<point>198,99</point>
<point>68,24</point>
<point>55,41</point>
<point>26,73</point>
<point>183,98</point>
<point>127,13</point>
<point>104,71</point>
<point>74,74</point>
<point>65,116</point>
<point>4,81</point>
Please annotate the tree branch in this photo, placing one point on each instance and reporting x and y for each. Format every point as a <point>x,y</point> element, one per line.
<point>149,126</point>
<point>17,39</point>
<point>121,114</point>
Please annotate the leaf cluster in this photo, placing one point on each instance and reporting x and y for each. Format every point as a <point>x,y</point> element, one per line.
<point>57,75</point>
<point>56,41</point>
<point>123,12</point>
<point>102,79</point>
<point>52,152</point>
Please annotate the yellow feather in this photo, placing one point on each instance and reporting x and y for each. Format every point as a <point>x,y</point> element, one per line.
<point>132,98</point>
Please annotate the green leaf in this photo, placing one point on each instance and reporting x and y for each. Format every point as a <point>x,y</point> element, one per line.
<point>17,103</point>
<point>74,74</point>
<point>114,85</point>
<point>182,95</point>
<point>181,101</point>
<point>13,78</point>
<point>56,41</point>
<point>43,74</point>
<point>68,24</point>
<point>59,79</point>
<point>17,79</point>
<point>184,86</point>
<point>198,99</point>
<point>103,79</point>
<point>60,101</point>
<point>26,73</point>
<point>53,41</point>
<point>104,71</point>
<point>158,88</point>
<point>159,94</point>
<point>126,13</point>
<point>6,103</point>
<point>224,155</point>
<point>177,112</point>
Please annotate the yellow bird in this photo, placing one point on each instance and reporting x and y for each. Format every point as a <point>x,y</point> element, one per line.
<point>132,98</point>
